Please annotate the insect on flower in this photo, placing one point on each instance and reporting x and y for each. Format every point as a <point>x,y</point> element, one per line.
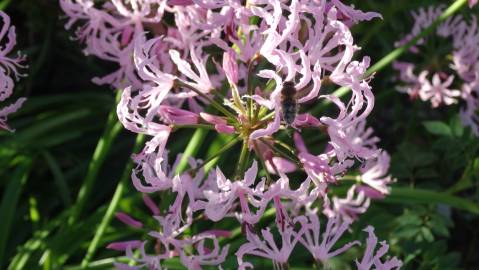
<point>289,105</point>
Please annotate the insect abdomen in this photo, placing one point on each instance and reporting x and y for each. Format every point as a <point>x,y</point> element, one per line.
<point>289,110</point>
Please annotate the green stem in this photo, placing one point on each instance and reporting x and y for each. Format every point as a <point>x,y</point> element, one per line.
<point>415,195</point>
<point>105,222</point>
<point>213,103</point>
<point>285,146</point>
<point>225,148</point>
<point>198,126</point>
<point>242,160</point>
<point>112,129</point>
<point>406,195</point>
<point>216,144</point>
<point>249,85</point>
<point>282,153</point>
<point>191,149</point>
<point>263,164</point>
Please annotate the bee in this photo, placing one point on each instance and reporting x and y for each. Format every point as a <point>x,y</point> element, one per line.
<point>289,104</point>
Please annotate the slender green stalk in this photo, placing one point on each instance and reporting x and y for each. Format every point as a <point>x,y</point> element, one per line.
<point>242,159</point>
<point>103,147</point>
<point>249,85</point>
<point>263,164</point>
<point>415,195</point>
<point>406,195</point>
<point>191,149</point>
<point>215,156</point>
<point>105,222</point>
<point>282,153</point>
<point>10,199</point>
<point>393,55</point>
<point>214,147</point>
<point>285,146</point>
<point>213,102</point>
<point>202,126</point>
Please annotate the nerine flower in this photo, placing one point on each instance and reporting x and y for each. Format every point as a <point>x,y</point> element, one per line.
<point>374,173</point>
<point>108,32</point>
<point>268,248</point>
<point>349,208</point>
<point>9,70</point>
<point>438,92</point>
<point>372,258</point>
<point>225,68</point>
<point>442,82</point>
<point>321,245</point>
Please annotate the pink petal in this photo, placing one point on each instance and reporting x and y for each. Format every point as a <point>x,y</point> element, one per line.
<point>122,246</point>
<point>128,220</point>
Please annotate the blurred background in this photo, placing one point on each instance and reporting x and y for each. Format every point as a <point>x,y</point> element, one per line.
<point>43,165</point>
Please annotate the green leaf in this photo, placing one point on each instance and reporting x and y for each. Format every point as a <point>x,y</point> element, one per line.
<point>10,199</point>
<point>437,128</point>
<point>415,195</point>
<point>59,178</point>
<point>456,126</point>
<point>427,234</point>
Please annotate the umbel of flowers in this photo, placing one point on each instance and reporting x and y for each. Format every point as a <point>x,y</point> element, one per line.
<point>8,68</point>
<point>445,83</point>
<point>242,69</point>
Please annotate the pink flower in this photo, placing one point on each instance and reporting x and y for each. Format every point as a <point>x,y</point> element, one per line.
<point>352,16</point>
<point>371,258</point>
<point>8,64</point>
<point>268,248</point>
<point>472,3</point>
<point>348,208</point>
<point>204,255</point>
<point>224,65</point>
<point>145,260</point>
<point>411,82</point>
<point>8,67</point>
<point>152,165</point>
<point>108,32</point>
<point>321,245</point>
<point>220,202</point>
<point>438,92</point>
<point>464,35</point>
<point>5,111</point>
<point>230,67</point>
<point>374,173</point>
<point>221,125</point>
<point>317,167</point>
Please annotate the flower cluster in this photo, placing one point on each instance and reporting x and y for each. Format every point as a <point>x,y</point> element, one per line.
<point>243,70</point>
<point>108,31</point>
<point>445,83</point>
<point>8,68</point>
